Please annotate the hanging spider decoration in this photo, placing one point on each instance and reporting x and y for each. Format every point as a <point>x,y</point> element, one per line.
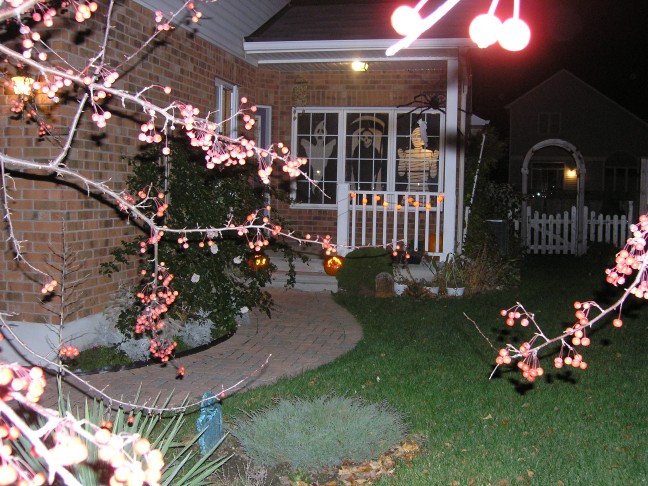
<point>424,102</point>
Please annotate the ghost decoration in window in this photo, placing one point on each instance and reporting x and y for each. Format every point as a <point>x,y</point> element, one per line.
<point>365,166</point>
<point>419,164</point>
<point>318,153</point>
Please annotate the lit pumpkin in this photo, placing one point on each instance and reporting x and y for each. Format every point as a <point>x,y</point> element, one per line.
<point>258,262</point>
<point>332,265</point>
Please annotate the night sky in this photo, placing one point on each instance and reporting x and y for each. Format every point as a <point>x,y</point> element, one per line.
<point>603,42</point>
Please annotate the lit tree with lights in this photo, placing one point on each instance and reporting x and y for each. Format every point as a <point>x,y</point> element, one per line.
<point>90,88</point>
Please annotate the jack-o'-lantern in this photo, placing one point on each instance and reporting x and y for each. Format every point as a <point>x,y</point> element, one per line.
<point>332,264</point>
<point>258,262</point>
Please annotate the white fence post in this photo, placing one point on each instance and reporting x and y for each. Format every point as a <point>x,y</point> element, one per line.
<point>343,218</point>
<point>560,233</point>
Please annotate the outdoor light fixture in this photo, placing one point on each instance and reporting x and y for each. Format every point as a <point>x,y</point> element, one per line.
<point>22,85</point>
<point>359,66</point>
<point>485,29</point>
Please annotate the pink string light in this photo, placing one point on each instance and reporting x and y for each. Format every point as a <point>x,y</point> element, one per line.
<point>485,29</point>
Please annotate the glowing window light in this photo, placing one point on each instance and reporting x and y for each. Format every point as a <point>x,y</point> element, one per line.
<point>22,85</point>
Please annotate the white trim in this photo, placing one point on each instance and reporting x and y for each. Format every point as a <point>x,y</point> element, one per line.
<point>316,60</point>
<point>332,206</point>
<point>461,163</point>
<point>269,47</point>
<point>450,202</point>
<point>221,87</point>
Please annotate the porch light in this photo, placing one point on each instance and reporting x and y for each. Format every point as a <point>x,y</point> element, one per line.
<point>570,174</point>
<point>359,66</point>
<point>22,85</point>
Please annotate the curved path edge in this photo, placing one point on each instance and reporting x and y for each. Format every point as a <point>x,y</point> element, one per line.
<point>306,330</point>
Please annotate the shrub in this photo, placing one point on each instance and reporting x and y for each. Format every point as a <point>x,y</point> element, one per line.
<point>319,433</point>
<point>358,273</point>
<point>488,270</point>
<point>214,281</point>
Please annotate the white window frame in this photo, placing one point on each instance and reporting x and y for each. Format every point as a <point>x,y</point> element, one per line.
<point>224,117</point>
<point>341,146</point>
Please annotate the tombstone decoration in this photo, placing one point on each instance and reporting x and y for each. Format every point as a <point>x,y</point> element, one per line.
<point>211,421</point>
<point>384,285</point>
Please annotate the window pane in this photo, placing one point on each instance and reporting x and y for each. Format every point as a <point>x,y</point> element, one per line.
<point>317,140</point>
<point>546,179</point>
<point>543,123</point>
<point>366,150</point>
<point>417,152</point>
<point>226,110</point>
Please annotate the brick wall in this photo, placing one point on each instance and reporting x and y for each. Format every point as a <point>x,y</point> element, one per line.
<point>44,207</point>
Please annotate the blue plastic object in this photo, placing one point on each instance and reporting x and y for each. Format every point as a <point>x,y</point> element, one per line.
<point>211,421</point>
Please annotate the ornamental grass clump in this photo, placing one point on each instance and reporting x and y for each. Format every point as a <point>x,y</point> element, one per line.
<point>314,434</point>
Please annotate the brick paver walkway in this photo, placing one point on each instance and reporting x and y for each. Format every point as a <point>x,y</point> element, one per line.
<point>307,329</point>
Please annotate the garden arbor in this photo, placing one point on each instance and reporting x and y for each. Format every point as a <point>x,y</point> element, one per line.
<point>580,182</point>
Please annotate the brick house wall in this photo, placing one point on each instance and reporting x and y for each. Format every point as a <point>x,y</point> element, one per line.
<point>50,215</point>
<point>42,207</point>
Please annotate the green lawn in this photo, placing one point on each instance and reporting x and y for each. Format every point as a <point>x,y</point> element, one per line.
<point>570,427</point>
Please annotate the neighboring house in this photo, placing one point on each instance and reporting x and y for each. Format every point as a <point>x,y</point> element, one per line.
<point>571,145</point>
<point>392,135</point>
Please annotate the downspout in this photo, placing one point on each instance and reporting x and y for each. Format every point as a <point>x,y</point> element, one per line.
<point>462,156</point>
<point>474,188</point>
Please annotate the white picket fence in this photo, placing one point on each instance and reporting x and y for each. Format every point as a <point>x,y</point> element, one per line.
<point>384,218</point>
<point>558,234</point>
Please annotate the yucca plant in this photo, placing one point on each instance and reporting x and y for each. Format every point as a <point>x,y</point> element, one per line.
<point>183,463</point>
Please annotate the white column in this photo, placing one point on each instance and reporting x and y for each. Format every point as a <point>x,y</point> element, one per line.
<point>451,157</point>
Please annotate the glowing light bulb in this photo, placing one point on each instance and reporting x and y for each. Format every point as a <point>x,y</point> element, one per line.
<point>22,85</point>
<point>359,66</point>
<point>405,19</point>
<point>485,29</point>
<point>515,34</point>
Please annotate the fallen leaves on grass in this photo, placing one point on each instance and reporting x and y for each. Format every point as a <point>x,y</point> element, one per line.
<point>369,472</point>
